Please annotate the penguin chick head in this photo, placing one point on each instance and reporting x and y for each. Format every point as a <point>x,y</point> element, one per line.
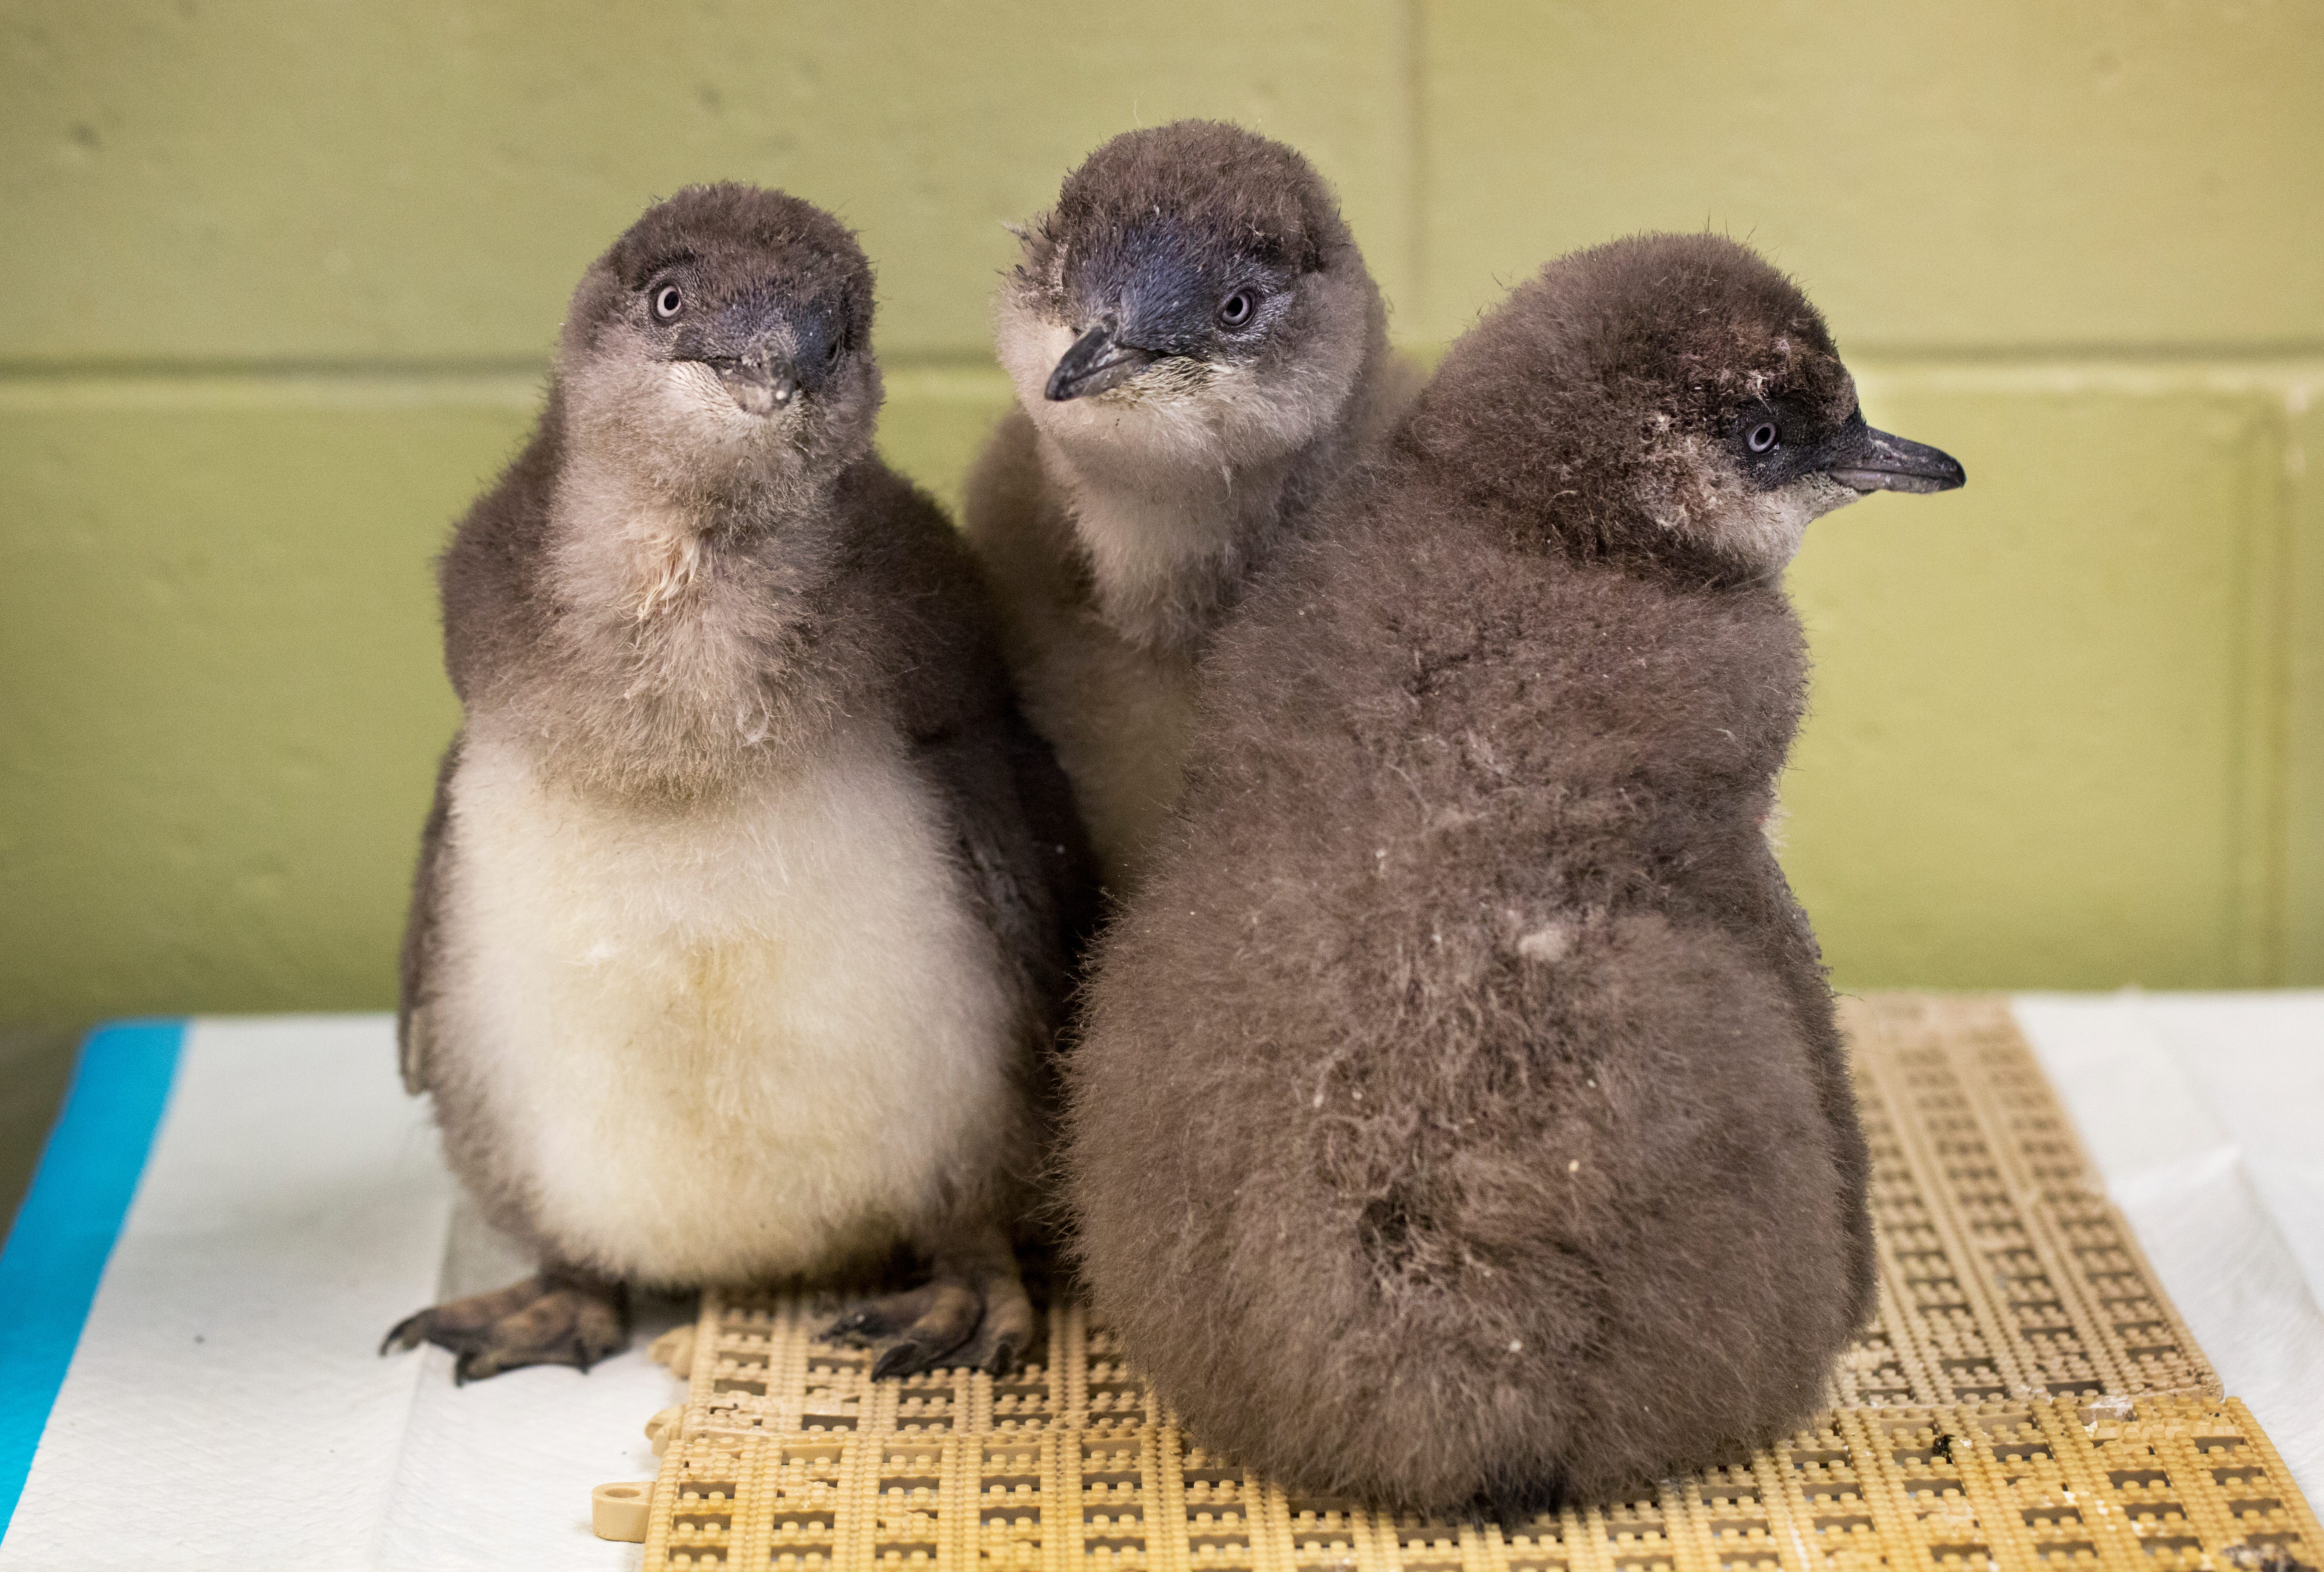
<point>1669,396</point>
<point>723,346</point>
<point>1193,295</point>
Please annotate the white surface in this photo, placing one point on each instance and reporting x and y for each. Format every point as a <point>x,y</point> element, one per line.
<point>2204,1112</point>
<point>225,1408</point>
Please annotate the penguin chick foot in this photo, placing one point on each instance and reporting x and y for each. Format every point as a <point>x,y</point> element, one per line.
<point>927,1323</point>
<point>552,1318</point>
<point>981,1321</point>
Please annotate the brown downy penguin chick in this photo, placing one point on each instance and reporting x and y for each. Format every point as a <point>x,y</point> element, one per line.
<point>1461,1114</point>
<point>1198,353</point>
<point>743,914</point>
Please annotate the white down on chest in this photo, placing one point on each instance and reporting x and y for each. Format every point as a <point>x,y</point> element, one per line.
<point>722,1041</point>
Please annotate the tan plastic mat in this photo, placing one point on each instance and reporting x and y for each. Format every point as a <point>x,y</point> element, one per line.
<point>2003,1271</point>
<point>2179,1483</point>
<point>2027,1396</point>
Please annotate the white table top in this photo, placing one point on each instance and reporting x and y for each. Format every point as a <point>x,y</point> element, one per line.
<point>223,1406</point>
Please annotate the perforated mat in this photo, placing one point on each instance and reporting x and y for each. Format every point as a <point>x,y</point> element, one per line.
<point>2027,1396</point>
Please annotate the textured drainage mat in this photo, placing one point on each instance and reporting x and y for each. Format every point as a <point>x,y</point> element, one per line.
<point>2027,1396</point>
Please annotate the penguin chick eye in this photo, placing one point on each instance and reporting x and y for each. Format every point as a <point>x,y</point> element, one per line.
<point>1237,307</point>
<point>1763,438</point>
<point>667,302</point>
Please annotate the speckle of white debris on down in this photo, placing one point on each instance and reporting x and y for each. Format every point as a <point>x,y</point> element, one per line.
<point>1516,1346</point>
<point>1574,1167</point>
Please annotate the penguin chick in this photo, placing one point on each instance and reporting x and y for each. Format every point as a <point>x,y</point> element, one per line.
<point>743,916</point>
<point>1461,1114</point>
<point>1198,352</point>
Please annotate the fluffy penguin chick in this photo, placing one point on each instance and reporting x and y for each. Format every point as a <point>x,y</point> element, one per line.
<point>1198,351</point>
<point>1461,1114</point>
<point>744,913</point>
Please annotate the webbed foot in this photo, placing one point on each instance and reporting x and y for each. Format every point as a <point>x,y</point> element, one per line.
<point>552,1318</point>
<point>973,1313</point>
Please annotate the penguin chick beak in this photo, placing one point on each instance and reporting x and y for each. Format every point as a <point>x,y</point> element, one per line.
<point>1096,362</point>
<point>758,388</point>
<point>1864,460</point>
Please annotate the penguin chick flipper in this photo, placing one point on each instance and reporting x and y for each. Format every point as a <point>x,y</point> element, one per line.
<point>551,1318</point>
<point>973,1312</point>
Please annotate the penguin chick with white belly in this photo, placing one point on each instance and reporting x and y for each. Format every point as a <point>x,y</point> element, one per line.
<point>1459,1112</point>
<point>744,913</point>
<point>1198,353</point>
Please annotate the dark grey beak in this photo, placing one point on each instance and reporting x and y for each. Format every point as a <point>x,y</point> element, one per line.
<point>758,385</point>
<point>1096,362</point>
<point>1864,460</point>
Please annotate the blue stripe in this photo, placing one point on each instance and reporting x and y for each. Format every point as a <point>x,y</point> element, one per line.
<point>65,1230</point>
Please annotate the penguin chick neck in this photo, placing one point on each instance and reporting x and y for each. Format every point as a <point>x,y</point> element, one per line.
<point>1188,329</point>
<point>1665,402</point>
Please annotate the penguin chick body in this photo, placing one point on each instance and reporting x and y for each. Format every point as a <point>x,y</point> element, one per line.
<point>1198,353</point>
<point>1460,1112</point>
<point>742,918</point>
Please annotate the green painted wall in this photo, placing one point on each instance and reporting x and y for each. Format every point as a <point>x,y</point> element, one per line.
<point>281,278</point>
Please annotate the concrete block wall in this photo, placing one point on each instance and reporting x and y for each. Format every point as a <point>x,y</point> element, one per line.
<point>281,280</point>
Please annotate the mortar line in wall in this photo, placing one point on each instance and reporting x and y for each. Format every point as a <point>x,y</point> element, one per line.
<point>370,384</point>
<point>196,368</point>
<point>2302,815</point>
<point>416,368</point>
<point>2300,355</point>
<point>2069,351</point>
<point>1411,41</point>
<point>2264,800</point>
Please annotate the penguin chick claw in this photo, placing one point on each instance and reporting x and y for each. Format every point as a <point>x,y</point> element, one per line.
<point>550,1319</point>
<point>982,1322</point>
